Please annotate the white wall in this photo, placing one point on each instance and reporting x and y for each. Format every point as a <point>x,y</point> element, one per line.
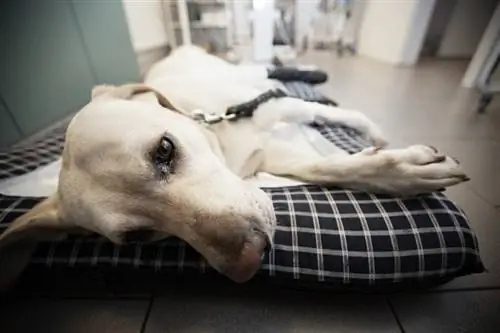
<point>415,38</point>
<point>393,31</point>
<point>441,16</point>
<point>467,24</point>
<point>145,21</point>
<point>488,40</point>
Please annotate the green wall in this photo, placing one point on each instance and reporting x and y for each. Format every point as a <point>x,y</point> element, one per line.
<point>53,53</point>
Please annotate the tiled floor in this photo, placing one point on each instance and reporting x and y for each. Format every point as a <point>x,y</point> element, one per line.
<point>413,105</point>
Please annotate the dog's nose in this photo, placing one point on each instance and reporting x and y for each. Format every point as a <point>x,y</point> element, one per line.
<point>140,235</point>
<point>249,260</point>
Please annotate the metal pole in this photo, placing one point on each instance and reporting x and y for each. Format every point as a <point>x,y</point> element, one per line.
<point>184,21</point>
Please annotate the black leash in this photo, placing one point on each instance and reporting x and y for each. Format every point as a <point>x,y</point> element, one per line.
<point>243,110</point>
<point>248,108</point>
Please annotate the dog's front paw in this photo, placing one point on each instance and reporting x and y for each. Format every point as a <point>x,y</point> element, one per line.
<point>418,169</point>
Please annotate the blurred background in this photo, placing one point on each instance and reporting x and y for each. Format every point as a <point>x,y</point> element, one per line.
<point>54,51</point>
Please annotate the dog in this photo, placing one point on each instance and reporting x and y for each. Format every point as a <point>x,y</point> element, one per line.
<point>141,162</point>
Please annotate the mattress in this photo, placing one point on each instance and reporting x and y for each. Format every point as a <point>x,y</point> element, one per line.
<point>325,236</point>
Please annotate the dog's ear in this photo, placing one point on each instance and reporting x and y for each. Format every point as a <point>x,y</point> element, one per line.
<point>18,242</point>
<point>102,90</point>
<point>126,91</point>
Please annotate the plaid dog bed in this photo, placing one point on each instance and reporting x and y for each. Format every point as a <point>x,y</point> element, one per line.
<point>325,235</point>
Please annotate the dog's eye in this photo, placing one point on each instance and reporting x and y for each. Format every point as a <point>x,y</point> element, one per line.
<point>164,152</point>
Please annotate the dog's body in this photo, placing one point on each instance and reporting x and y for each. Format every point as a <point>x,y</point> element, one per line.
<point>135,163</point>
<point>248,146</point>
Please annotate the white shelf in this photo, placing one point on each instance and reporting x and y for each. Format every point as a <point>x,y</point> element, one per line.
<point>212,17</point>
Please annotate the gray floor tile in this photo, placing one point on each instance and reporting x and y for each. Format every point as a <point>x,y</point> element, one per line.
<point>485,221</point>
<point>424,101</point>
<point>219,310</point>
<point>465,311</point>
<point>446,118</point>
<point>72,315</point>
<point>69,282</point>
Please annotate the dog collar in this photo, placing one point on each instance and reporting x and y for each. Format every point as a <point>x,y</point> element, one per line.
<point>243,110</point>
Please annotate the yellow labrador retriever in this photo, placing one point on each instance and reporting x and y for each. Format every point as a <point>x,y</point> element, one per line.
<point>144,161</point>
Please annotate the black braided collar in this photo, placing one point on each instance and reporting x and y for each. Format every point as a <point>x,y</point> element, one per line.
<point>248,108</point>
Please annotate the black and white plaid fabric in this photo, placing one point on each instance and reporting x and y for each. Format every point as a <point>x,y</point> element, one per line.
<point>32,154</point>
<point>307,92</point>
<point>323,235</point>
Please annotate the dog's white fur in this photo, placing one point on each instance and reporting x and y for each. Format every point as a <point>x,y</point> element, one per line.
<point>109,184</point>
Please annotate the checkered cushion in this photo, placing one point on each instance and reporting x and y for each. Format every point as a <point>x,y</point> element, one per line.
<point>323,235</point>
<point>307,92</point>
<point>32,154</point>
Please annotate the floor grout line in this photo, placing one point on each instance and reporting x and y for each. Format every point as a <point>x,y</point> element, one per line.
<point>485,200</point>
<point>148,312</point>
<point>457,290</point>
<point>394,314</point>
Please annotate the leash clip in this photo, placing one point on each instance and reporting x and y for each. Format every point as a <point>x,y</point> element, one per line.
<point>207,118</point>
<point>229,116</point>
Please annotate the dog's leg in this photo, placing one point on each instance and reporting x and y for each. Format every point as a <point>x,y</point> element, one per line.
<point>299,111</point>
<point>415,170</point>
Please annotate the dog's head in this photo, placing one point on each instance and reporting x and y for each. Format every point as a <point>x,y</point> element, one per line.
<point>137,170</point>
